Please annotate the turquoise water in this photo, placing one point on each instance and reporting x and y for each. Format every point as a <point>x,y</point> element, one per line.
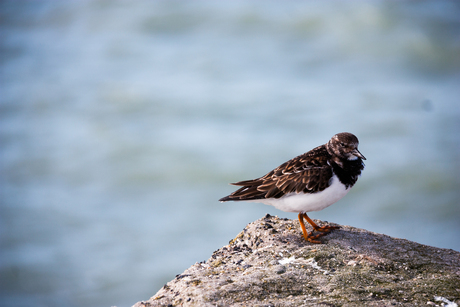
<point>122,123</point>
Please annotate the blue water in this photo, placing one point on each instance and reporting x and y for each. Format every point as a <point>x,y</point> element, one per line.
<point>122,123</point>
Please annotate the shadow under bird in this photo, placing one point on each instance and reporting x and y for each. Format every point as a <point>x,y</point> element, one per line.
<point>309,182</point>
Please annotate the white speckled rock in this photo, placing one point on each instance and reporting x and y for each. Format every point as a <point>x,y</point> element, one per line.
<point>270,264</point>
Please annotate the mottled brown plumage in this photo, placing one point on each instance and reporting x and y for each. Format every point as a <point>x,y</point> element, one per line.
<point>307,173</point>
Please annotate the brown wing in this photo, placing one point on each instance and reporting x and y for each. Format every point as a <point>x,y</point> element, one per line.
<point>307,173</point>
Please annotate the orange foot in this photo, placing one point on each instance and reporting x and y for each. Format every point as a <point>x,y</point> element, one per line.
<point>309,236</point>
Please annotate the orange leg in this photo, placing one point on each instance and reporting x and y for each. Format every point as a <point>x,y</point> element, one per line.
<point>309,236</point>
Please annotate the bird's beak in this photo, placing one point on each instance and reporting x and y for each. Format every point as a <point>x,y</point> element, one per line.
<point>356,153</point>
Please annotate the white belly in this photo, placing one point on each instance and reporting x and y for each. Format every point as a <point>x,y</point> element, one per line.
<point>306,202</point>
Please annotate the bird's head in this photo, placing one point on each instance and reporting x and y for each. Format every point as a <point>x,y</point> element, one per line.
<point>344,146</point>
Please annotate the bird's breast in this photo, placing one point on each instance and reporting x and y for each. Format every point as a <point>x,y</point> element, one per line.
<point>306,202</point>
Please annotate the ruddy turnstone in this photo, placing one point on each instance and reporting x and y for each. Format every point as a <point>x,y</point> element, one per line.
<point>309,182</point>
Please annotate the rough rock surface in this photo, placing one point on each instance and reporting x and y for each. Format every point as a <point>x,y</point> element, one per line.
<point>270,264</point>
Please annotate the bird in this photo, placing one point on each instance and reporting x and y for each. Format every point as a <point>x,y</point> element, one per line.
<point>309,182</point>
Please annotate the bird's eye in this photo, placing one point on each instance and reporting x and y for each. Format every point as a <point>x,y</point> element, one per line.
<point>342,144</point>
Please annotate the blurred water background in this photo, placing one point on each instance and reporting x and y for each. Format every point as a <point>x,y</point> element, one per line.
<point>122,123</point>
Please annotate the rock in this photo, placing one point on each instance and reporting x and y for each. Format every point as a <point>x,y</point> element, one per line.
<point>270,264</point>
